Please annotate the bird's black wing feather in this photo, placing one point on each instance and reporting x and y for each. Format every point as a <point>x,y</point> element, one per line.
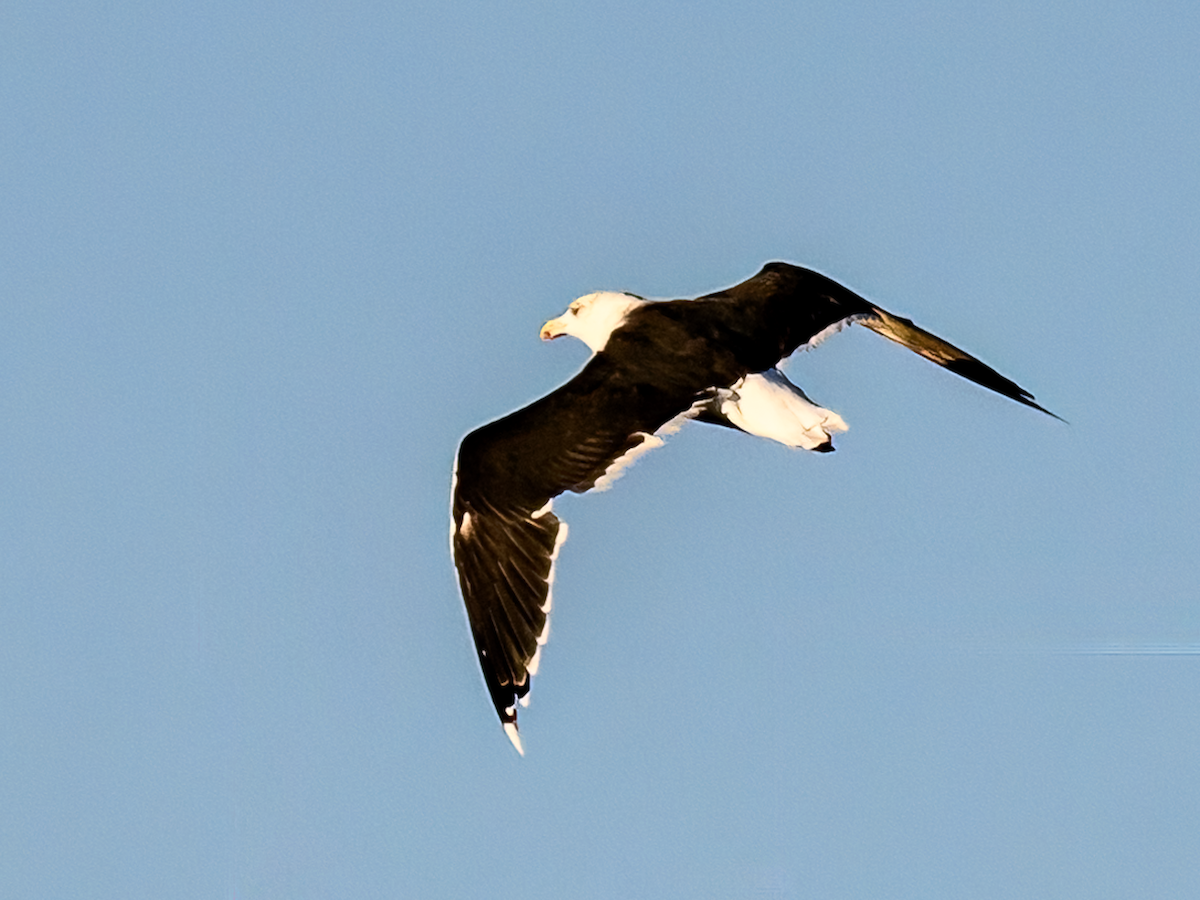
<point>771,314</point>
<point>784,306</point>
<point>946,355</point>
<point>504,536</point>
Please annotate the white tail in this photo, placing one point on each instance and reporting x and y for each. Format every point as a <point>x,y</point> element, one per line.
<point>770,406</point>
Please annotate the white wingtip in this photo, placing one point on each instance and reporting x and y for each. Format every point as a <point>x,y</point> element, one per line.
<point>510,728</point>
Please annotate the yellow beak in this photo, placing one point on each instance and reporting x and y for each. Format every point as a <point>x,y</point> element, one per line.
<point>554,328</point>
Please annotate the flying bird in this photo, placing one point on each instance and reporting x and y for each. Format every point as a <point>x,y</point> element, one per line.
<point>654,366</point>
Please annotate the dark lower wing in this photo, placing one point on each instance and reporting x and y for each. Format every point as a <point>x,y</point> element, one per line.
<point>505,563</point>
<point>504,536</point>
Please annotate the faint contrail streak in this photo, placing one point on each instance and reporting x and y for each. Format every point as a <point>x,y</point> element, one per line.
<point>1094,648</point>
<point>1128,649</point>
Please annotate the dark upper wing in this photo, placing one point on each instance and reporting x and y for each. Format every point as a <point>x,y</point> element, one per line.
<point>504,536</point>
<point>945,354</point>
<point>767,317</point>
<point>785,306</point>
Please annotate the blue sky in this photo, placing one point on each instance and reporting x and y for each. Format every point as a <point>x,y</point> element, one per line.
<point>262,265</point>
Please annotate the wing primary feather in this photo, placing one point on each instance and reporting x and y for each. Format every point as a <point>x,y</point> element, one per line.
<point>509,645</point>
<point>946,355</point>
<point>515,599</point>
